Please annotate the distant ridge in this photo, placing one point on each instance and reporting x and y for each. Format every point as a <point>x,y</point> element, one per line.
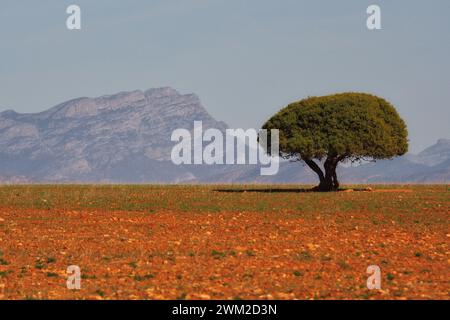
<point>123,137</point>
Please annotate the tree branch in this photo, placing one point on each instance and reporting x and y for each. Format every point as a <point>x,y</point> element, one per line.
<point>315,168</point>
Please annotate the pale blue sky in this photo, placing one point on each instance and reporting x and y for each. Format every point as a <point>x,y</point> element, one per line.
<point>245,58</point>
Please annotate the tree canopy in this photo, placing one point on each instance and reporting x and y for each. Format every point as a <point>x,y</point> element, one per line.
<point>347,126</point>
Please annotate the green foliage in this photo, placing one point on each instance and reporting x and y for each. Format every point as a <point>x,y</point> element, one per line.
<point>350,126</point>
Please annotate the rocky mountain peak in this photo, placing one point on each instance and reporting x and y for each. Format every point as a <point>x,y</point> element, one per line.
<point>98,139</point>
<point>90,107</point>
<point>436,154</point>
<point>443,142</point>
<point>7,113</point>
<point>161,92</point>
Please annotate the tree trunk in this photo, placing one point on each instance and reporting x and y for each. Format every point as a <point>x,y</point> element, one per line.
<point>328,180</point>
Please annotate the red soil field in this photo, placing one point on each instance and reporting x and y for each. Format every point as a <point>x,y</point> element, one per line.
<point>223,242</point>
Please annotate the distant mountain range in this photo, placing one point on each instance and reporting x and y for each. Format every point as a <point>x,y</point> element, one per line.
<point>125,138</point>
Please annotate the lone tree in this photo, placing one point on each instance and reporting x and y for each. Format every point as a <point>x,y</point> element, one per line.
<point>324,131</point>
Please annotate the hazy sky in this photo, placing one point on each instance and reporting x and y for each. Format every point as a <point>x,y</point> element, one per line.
<point>245,58</point>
